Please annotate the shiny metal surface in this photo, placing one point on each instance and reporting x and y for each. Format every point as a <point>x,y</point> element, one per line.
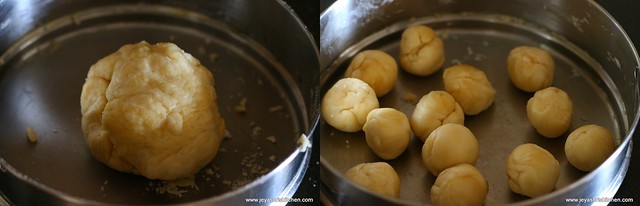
<point>256,50</point>
<point>595,63</point>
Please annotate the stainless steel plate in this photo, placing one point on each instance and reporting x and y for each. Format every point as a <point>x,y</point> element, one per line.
<point>484,41</point>
<point>41,79</point>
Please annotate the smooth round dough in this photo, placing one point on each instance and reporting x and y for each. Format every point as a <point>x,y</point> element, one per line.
<point>379,177</point>
<point>462,184</point>
<point>530,68</point>
<point>589,146</point>
<point>532,170</point>
<point>347,103</point>
<point>449,145</point>
<point>421,50</point>
<point>151,110</point>
<point>433,110</point>
<point>550,111</point>
<point>376,68</point>
<point>387,132</point>
<point>470,87</point>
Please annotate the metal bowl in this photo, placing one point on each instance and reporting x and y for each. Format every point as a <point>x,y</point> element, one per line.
<point>596,64</point>
<point>258,51</point>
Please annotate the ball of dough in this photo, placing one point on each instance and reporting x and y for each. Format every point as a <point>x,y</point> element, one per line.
<point>346,105</point>
<point>589,146</point>
<point>447,146</point>
<point>532,170</point>
<point>462,184</point>
<point>387,132</point>
<point>421,51</point>
<point>379,177</point>
<point>470,87</point>
<point>376,68</point>
<point>151,110</point>
<point>549,111</point>
<point>434,110</point>
<point>530,68</point>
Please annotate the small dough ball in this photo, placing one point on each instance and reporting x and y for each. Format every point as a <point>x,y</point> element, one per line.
<point>421,51</point>
<point>387,132</point>
<point>530,68</point>
<point>346,105</point>
<point>462,184</point>
<point>549,111</point>
<point>379,177</point>
<point>151,110</point>
<point>589,146</point>
<point>447,146</point>
<point>434,110</point>
<point>532,170</point>
<point>470,87</point>
<point>376,68</point>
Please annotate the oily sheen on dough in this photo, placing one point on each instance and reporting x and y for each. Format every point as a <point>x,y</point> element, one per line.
<point>151,110</point>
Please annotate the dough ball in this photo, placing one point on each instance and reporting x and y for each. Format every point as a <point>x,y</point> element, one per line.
<point>470,87</point>
<point>346,105</point>
<point>151,110</point>
<point>532,170</point>
<point>379,177</point>
<point>387,132</point>
<point>530,68</point>
<point>434,110</point>
<point>549,111</point>
<point>421,51</point>
<point>376,68</point>
<point>462,184</point>
<point>447,146</point>
<point>589,146</point>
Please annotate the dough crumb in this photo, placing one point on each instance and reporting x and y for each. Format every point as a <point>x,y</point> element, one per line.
<point>242,106</point>
<point>213,57</point>
<point>410,98</point>
<point>276,108</point>
<point>31,135</point>
<point>227,134</point>
<point>272,139</point>
<point>272,158</point>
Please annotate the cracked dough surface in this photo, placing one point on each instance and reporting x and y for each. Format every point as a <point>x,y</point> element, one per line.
<point>462,184</point>
<point>532,170</point>
<point>151,110</point>
<point>470,87</point>
<point>379,177</point>
<point>433,110</point>
<point>530,68</point>
<point>589,146</point>
<point>347,103</point>
<point>421,50</point>
<point>550,111</point>
<point>449,145</point>
<point>376,68</point>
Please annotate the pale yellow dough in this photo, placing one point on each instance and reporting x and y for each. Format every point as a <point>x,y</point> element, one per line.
<point>530,68</point>
<point>462,184</point>
<point>379,177</point>
<point>470,87</point>
<point>433,110</point>
<point>387,132</point>
<point>589,146</point>
<point>449,145</point>
<point>421,50</point>
<point>151,110</point>
<point>550,111</point>
<point>376,68</point>
<point>532,170</point>
<point>347,103</point>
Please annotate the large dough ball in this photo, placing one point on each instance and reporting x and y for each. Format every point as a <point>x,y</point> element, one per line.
<point>379,177</point>
<point>434,110</point>
<point>447,146</point>
<point>376,68</point>
<point>151,110</point>
<point>550,111</point>
<point>530,68</point>
<point>387,132</point>
<point>532,170</point>
<point>346,105</point>
<point>421,51</point>
<point>462,184</point>
<point>589,146</point>
<point>470,87</point>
